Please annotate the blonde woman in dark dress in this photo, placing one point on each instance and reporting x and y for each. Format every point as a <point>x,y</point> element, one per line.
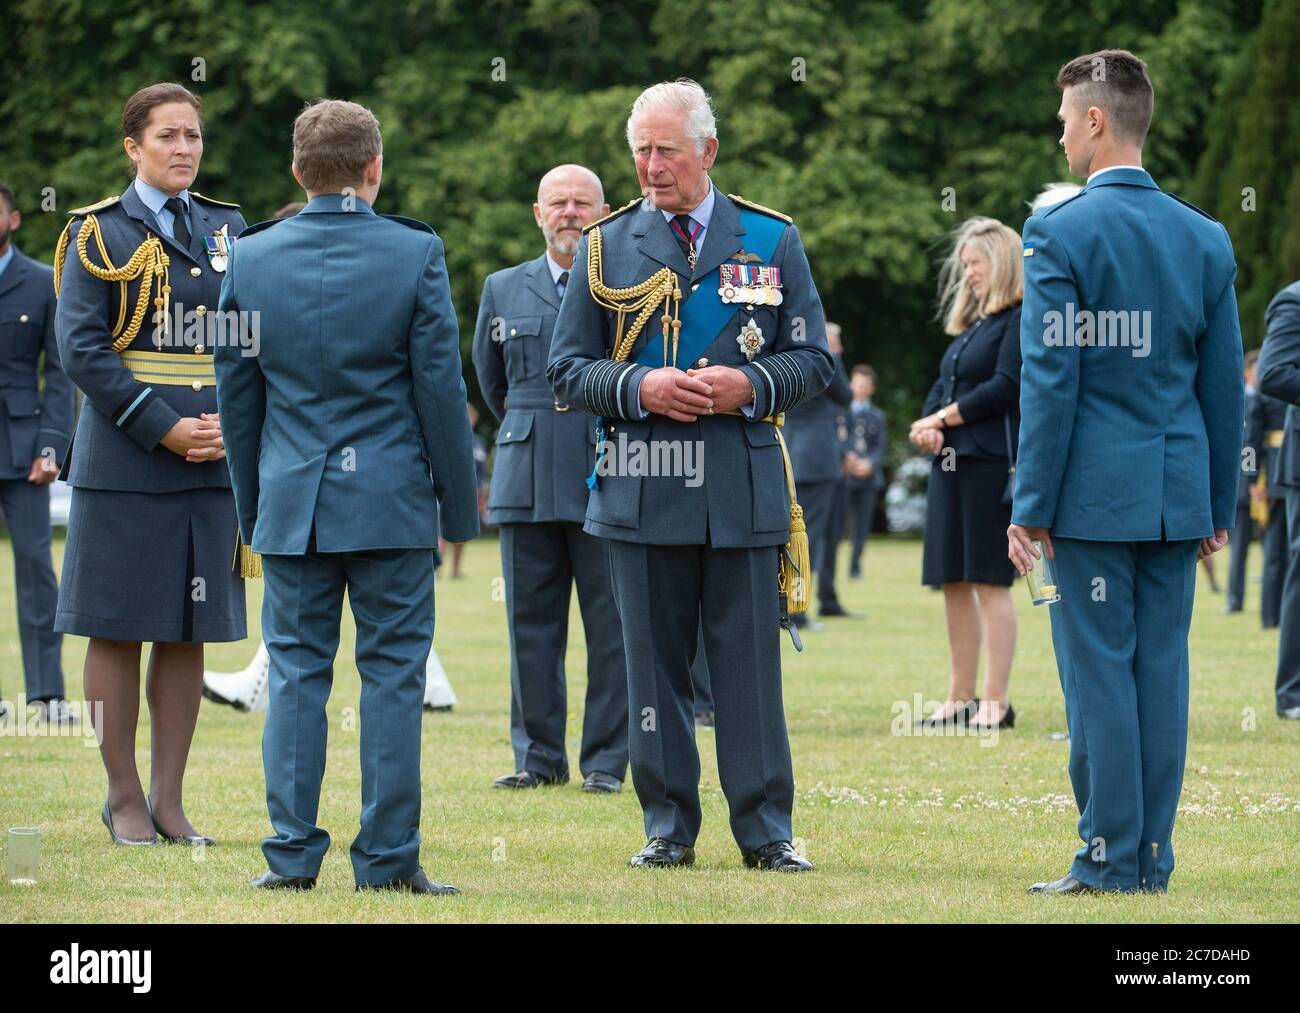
<point>970,423</point>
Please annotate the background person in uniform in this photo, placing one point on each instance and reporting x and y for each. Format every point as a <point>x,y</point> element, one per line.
<point>151,531</point>
<point>34,434</point>
<point>1244,531</point>
<point>348,442</point>
<point>811,436</point>
<point>544,453</point>
<point>1279,377</point>
<point>1102,421</point>
<point>686,554</point>
<point>970,423</point>
<point>1265,431</point>
<point>868,432</point>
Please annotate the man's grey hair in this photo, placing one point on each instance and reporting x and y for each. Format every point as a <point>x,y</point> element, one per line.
<point>683,95</point>
<point>1053,193</point>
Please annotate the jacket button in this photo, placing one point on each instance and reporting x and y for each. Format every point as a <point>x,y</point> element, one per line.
<point>695,286</point>
<point>702,363</point>
<point>507,434</point>
<point>513,332</point>
<point>195,272</point>
<point>23,319</point>
<point>200,310</point>
<point>198,349</point>
<point>197,385</point>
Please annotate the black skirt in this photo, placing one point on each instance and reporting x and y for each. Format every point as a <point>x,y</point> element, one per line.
<point>152,567</point>
<point>966,524</point>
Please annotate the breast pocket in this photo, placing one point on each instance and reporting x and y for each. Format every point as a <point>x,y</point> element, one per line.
<point>522,339</point>
<point>21,331</point>
<point>512,473</point>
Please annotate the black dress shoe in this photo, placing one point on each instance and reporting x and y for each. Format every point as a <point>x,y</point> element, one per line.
<point>1067,884</point>
<point>838,610</point>
<point>1289,713</point>
<point>801,621</point>
<point>661,854</point>
<point>960,716</point>
<point>601,782</point>
<point>778,856</point>
<point>440,709</point>
<point>529,779</point>
<point>704,719</point>
<point>107,817</point>
<point>1008,720</point>
<point>270,881</point>
<point>194,841</point>
<point>419,883</point>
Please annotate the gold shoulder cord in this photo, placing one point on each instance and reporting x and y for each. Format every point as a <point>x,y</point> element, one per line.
<point>660,287</point>
<point>149,262</point>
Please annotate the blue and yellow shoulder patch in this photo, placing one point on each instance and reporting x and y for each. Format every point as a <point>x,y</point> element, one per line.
<point>213,201</point>
<point>411,223</point>
<point>1189,204</point>
<point>613,214</point>
<point>98,206</point>
<point>760,208</point>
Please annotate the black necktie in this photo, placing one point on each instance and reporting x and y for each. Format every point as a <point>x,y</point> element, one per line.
<point>684,223</point>
<point>180,231</point>
<point>563,282</point>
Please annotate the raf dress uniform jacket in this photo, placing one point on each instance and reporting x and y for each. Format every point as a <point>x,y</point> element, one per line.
<point>350,420</point>
<point>31,422</point>
<point>118,440</point>
<point>742,501</point>
<point>1278,376</point>
<point>544,448</point>
<point>1117,445</point>
<point>868,437</point>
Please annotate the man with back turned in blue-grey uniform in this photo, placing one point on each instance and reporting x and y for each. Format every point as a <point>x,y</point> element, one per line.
<point>1130,442</point>
<point>1278,373</point>
<point>696,324</point>
<point>544,451</point>
<point>35,428</point>
<point>348,442</point>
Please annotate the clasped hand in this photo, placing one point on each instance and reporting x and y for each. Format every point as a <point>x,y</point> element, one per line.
<point>197,440</point>
<point>685,396</point>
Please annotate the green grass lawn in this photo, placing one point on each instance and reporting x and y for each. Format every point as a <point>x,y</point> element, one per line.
<point>901,828</point>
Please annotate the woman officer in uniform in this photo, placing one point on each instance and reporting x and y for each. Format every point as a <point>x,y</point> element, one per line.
<point>152,531</point>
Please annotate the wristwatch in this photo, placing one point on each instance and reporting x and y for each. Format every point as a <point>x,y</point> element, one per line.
<point>943,416</point>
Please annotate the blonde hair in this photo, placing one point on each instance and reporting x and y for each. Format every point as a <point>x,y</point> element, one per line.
<point>333,142</point>
<point>958,307</point>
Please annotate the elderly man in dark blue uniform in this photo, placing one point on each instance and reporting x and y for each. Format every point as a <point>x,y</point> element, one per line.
<point>696,324</point>
<point>1278,373</point>
<point>34,433</point>
<point>539,498</point>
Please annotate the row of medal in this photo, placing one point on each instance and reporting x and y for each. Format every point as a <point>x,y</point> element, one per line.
<point>754,286</point>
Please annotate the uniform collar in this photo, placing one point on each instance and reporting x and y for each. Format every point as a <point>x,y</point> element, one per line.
<point>702,213</point>
<point>324,202</point>
<point>154,199</point>
<point>1130,175</point>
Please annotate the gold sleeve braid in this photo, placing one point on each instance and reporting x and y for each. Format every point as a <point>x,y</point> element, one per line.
<point>149,263</point>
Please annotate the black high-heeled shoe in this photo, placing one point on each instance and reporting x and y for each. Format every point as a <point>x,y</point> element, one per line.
<point>107,817</point>
<point>1008,721</point>
<point>961,716</point>
<point>185,839</point>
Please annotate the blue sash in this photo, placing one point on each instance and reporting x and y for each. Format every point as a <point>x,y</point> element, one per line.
<point>704,313</point>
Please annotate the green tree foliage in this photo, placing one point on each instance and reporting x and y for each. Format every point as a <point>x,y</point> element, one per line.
<point>856,118</point>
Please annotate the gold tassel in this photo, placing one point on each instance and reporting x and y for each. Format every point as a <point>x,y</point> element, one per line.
<point>792,579</point>
<point>247,563</point>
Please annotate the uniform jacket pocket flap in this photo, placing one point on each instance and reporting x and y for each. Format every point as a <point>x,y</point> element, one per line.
<point>22,404</point>
<point>760,434</point>
<point>521,327</point>
<point>16,316</point>
<point>516,427</point>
